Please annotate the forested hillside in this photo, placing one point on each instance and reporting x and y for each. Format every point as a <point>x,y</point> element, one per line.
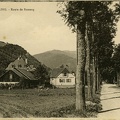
<point>10,52</point>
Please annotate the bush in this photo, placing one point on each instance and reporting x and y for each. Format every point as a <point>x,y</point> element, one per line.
<point>36,113</point>
<point>96,98</point>
<point>6,86</point>
<point>1,86</point>
<point>62,112</point>
<point>93,107</point>
<point>16,86</point>
<point>55,114</point>
<point>6,115</point>
<point>81,114</point>
<point>91,111</point>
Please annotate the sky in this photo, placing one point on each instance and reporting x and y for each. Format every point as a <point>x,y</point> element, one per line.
<point>38,29</point>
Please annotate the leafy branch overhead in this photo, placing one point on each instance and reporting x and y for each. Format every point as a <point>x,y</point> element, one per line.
<point>74,13</point>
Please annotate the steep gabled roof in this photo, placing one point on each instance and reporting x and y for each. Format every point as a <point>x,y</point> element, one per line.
<point>22,73</point>
<point>57,71</point>
<point>26,73</point>
<point>19,74</point>
<point>16,72</point>
<point>20,61</point>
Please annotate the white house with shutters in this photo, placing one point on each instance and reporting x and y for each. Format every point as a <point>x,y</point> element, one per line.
<point>62,78</point>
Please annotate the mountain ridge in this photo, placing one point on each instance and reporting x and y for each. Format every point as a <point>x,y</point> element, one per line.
<point>55,58</point>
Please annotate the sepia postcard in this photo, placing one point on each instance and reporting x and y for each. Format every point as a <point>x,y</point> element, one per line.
<point>59,59</point>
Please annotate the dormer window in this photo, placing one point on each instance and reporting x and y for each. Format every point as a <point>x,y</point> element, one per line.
<point>65,74</point>
<point>13,66</point>
<point>19,66</point>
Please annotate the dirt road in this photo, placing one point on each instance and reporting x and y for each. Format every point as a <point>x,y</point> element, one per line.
<point>110,100</point>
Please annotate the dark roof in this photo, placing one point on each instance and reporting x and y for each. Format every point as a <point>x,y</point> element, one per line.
<point>26,73</point>
<point>57,71</point>
<point>19,74</point>
<point>22,73</point>
<point>16,72</point>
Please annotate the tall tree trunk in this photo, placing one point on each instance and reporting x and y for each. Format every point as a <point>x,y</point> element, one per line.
<point>97,78</point>
<point>80,84</point>
<point>87,39</point>
<point>93,69</point>
<point>98,74</point>
<point>94,77</point>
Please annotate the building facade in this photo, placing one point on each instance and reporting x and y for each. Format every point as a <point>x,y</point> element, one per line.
<point>62,78</point>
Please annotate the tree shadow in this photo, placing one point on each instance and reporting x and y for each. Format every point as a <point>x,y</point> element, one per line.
<point>109,110</point>
<point>110,98</point>
<point>114,87</point>
<point>110,93</point>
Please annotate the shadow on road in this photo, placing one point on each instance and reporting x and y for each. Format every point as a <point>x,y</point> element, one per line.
<point>114,87</point>
<point>110,98</point>
<point>110,93</point>
<point>109,110</point>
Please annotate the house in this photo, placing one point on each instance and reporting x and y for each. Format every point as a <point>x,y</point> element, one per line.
<point>15,75</point>
<point>62,78</point>
<point>18,71</point>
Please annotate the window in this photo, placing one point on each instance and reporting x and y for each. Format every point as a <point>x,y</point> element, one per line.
<point>64,74</point>
<point>61,80</point>
<point>19,66</point>
<point>13,66</point>
<point>68,80</point>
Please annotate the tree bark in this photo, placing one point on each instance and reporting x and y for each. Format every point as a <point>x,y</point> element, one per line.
<point>94,77</point>
<point>93,59</point>
<point>80,84</point>
<point>98,75</point>
<point>88,59</point>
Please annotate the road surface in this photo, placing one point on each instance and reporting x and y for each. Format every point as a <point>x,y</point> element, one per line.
<point>110,100</point>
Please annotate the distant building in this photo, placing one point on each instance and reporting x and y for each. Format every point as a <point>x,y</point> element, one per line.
<point>62,78</point>
<point>17,71</point>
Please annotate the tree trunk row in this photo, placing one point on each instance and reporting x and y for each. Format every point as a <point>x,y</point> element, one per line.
<point>84,38</point>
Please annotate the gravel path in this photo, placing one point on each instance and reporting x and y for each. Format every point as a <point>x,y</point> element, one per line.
<point>110,100</point>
